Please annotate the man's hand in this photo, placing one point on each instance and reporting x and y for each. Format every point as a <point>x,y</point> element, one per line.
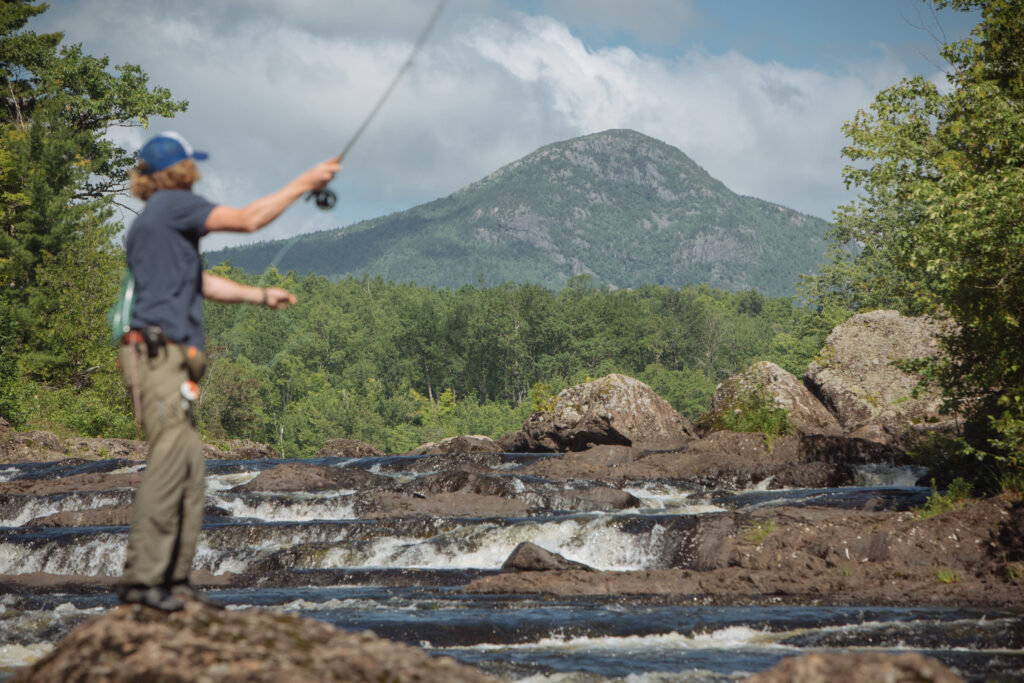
<point>317,177</point>
<point>260,212</point>
<point>277,298</point>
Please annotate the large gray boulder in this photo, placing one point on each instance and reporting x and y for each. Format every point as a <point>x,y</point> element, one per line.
<point>857,378</point>
<point>615,409</point>
<point>805,412</point>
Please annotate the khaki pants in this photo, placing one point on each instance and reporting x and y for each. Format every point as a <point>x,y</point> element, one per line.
<point>168,507</point>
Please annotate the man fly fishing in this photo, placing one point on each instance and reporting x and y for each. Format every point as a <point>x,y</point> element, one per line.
<point>162,353</point>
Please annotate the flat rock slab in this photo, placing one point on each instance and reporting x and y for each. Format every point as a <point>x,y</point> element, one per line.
<point>202,644</point>
<point>839,667</point>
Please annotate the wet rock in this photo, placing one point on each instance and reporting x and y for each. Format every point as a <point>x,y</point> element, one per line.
<point>856,377</point>
<point>42,446</point>
<point>615,409</point>
<point>93,481</point>
<point>31,446</point>
<point>348,448</point>
<point>307,477</point>
<point>95,448</point>
<point>240,449</point>
<point>531,557</point>
<point>806,413</point>
<point>538,495</point>
<point>453,481</point>
<point>727,460</point>
<point>120,515</point>
<point>839,667</point>
<point>201,644</point>
<point>1011,538</point>
<point>468,461</point>
<point>801,554</point>
<point>473,443</point>
<point>382,505</point>
<point>850,451</point>
<point>587,499</point>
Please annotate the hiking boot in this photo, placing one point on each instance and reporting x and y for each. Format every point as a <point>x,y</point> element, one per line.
<point>186,591</point>
<point>156,597</point>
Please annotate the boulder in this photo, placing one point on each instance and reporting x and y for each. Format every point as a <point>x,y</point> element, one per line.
<point>471,443</point>
<point>98,448</point>
<point>856,377</point>
<point>240,449</point>
<point>615,410</point>
<point>31,446</point>
<point>439,506</point>
<point>840,667</point>
<point>806,413</point>
<point>349,448</point>
<point>76,483</point>
<point>532,558</point>
<point>203,644</point>
<point>304,477</point>
<point>104,516</point>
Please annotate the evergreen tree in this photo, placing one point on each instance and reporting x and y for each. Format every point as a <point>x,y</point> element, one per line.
<point>59,174</point>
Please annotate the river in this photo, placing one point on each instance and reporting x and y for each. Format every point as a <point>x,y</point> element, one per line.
<point>403,579</point>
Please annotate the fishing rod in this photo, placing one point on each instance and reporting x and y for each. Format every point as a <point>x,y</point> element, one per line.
<point>325,198</point>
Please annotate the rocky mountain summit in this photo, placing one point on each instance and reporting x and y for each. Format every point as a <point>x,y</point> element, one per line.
<point>620,206</point>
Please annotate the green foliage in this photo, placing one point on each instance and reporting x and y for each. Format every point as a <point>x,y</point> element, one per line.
<point>939,222</point>
<point>754,410</point>
<point>399,365</point>
<point>624,207</point>
<point>59,172</point>
<point>542,397</point>
<point>954,498</point>
<point>756,531</point>
<point>946,575</point>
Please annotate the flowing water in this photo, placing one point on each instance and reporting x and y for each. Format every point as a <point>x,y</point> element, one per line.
<point>403,579</point>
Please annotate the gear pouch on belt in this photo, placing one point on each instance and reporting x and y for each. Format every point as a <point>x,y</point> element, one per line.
<point>195,361</point>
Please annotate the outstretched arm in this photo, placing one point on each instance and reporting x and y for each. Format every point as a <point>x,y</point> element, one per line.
<point>263,210</point>
<point>221,289</point>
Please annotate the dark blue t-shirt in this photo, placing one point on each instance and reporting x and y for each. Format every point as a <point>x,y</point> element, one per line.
<point>163,253</point>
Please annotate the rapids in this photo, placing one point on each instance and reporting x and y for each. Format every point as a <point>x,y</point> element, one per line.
<point>402,577</point>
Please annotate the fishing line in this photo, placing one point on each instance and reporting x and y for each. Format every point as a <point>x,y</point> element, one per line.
<point>325,198</point>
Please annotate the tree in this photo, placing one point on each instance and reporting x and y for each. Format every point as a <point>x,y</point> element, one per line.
<point>59,177</point>
<point>941,218</point>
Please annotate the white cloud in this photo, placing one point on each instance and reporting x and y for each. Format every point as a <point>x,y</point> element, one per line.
<point>272,91</point>
<point>656,21</point>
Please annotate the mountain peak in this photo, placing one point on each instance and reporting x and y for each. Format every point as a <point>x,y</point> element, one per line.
<point>618,205</point>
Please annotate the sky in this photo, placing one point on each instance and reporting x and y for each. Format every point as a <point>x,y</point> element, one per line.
<point>754,91</point>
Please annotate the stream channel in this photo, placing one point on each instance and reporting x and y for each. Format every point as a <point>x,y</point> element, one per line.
<point>403,579</point>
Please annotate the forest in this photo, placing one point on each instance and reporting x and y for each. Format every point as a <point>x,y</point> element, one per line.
<point>398,365</point>
<point>937,227</point>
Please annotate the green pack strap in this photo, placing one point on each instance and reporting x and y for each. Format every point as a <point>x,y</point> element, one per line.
<point>119,317</point>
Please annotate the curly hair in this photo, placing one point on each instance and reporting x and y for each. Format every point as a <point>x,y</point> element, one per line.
<point>180,176</point>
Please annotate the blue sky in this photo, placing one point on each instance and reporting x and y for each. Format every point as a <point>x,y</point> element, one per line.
<point>755,92</point>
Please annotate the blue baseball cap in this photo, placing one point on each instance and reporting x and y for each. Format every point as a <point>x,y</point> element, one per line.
<point>166,150</point>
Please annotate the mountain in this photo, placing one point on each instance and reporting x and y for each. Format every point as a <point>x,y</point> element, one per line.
<point>620,206</point>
